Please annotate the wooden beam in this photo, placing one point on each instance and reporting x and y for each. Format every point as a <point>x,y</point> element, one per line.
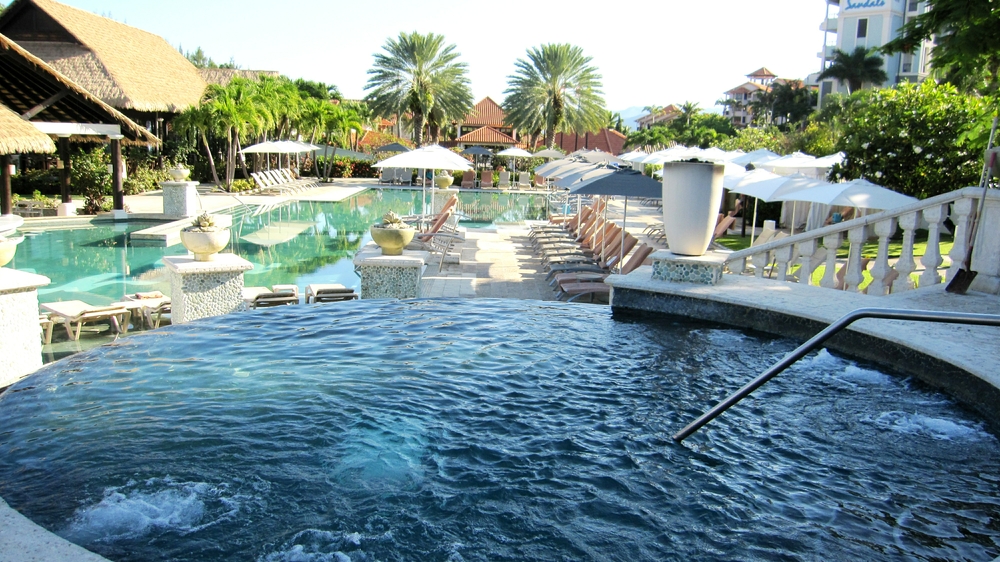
<point>6,199</point>
<point>45,104</point>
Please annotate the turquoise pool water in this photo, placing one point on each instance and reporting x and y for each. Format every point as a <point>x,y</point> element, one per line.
<point>300,242</point>
<point>488,430</point>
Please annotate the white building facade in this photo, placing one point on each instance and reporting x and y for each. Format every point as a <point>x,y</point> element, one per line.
<point>870,24</point>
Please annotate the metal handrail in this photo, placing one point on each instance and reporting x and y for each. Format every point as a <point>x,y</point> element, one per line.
<point>827,333</point>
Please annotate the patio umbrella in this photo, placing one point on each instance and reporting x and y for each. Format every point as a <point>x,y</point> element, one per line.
<point>393,147</point>
<point>564,167</point>
<point>431,157</point>
<point>515,153</point>
<point>623,182</point>
<point>549,153</point>
<point>760,155</point>
<point>476,152</point>
<point>601,157</point>
<point>328,151</point>
<point>860,193</point>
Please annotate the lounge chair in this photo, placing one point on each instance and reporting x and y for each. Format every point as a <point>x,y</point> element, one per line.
<point>523,180</point>
<point>540,182</point>
<point>78,313</point>
<point>469,179</point>
<point>278,295</point>
<point>404,176</point>
<point>151,306</point>
<point>486,181</point>
<point>609,258</point>
<point>504,180</point>
<point>388,176</point>
<point>576,284</point>
<point>329,292</point>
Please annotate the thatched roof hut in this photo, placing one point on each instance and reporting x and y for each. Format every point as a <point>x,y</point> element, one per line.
<point>18,136</point>
<point>28,86</point>
<point>126,67</point>
<point>223,76</point>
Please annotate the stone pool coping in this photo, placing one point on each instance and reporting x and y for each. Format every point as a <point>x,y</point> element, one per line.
<point>24,541</point>
<point>958,359</point>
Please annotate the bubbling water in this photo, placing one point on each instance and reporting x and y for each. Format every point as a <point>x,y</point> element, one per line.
<point>487,430</point>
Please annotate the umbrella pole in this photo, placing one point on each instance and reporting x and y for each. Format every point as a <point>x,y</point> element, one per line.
<point>753,225</point>
<point>621,250</point>
<point>433,172</point>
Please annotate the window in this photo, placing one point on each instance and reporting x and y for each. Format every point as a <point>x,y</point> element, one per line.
<point>862,28</point>
<point>913,5</point>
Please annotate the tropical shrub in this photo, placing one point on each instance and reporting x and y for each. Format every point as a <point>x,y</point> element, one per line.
<point>913,138</point>
<point>144,178</point>
<point>45,181</point>
<point>241,185</point>
<point>817,139</point>
<point>749,139</point>
<point>363,169</point>
<point>90,176</point>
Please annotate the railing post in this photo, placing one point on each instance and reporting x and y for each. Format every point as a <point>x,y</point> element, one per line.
<point>905,265</point>
<point>932,256</point>
<point>782,257</point>
<point>759,261</point>
<point>961,212</point>
<point>854,275</point>
<point>832,243</point>
<point>884,230</point>
<point>807,249</point>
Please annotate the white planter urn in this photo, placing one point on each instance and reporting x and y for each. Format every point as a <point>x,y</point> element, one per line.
<point>7,248</point>
<point>204,245</point>
<point>692,196</point>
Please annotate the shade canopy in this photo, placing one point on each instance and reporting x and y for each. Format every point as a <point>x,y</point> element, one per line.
<point>601,157</point>
<point>548,153</point>
<point>858,193</point>
<point>327,151</point>
<point>279,147</point>
<point>757,157</point>
<point>632,156</point>
<point>558,168</point>
<point>571,178</point>
<point>392,147</point>
<point>477,151</point>
<point>431,157</point>
<point>624,182</point>
<point>515,152</point>
<point>18,135</point>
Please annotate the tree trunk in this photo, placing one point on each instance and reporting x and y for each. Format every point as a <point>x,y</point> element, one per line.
<point>230,159</point>
<point>211,159</point>
<point>243,159</point>
<point>418,129</point>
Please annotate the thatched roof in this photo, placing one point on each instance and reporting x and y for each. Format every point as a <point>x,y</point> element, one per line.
<point>27,83</point>
<point>126,67</point>
<point>223,76</point>
<point>18,136</point>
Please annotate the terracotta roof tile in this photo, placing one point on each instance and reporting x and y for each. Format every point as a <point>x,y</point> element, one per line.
<point>486,135</point>
<point>485,113</point>
<point>608,140</point>
<point>762,72</point>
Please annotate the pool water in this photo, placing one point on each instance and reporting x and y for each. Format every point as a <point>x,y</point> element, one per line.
<point>298,243</point>
<point>488,430</point>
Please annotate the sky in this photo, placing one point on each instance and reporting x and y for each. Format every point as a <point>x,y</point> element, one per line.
<point>648,52</point>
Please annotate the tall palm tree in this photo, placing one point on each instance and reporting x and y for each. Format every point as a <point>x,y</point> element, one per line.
<point>197,120</point>
<point>557,88</point>
<point>688,110</point>
<point>416,74</point>
<point>234,111</point>
<point>855,68</point>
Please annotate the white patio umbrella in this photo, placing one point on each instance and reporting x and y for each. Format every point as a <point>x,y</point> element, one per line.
<point>768,186</point>
<point>759,156</point>
<point>860,193</point>
<point>515,153</point>
<point>548,153</point>
<point>433,157</point>
<point>601,157</point>
<point>553,168</point>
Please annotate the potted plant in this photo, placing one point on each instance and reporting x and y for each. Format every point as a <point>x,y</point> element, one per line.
<point>203,238</point>
<point>392,235</point>
<point>692,195</point>
<point>179,172</point>
<point>443,181</point>
<point>7,248</point>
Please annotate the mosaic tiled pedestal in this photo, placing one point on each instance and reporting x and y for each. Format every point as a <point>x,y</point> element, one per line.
<point>199,289</point>
<point>389,277</point>
<point>180,198</point>
<point>705,270</point>
<point>20,343</point>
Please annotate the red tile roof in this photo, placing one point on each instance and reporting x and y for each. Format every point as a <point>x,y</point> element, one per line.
<point>486,135</point>
<point>762,72</point>
<point>607,140</point>
<point>485,113</point>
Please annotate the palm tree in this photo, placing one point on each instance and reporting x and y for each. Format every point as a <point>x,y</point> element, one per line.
<point>855,68</point>
<point>556,88</point>
<point>418,74</point>
<point>233,110</point>
<point>197,120</point>
<point>688,110</point>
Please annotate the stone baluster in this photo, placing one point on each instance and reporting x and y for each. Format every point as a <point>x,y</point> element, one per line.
<point>759,261</point>
<point>961,213</point>
<point>884,230</point>
<point>932,256</point>
<point>854,275</point>
<point>807,249</point>
<point>831,242</point>
<point>783,257</point>
<point>737,267</point>
<point>905,265</point>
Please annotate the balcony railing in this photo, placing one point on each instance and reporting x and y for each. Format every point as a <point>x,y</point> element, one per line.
<point>819,247</point>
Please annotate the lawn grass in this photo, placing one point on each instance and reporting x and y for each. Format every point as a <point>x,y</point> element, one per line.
<point>868,250</point>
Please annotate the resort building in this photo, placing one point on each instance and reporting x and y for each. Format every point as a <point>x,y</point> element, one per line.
<point>484,126</point>
<point>739,99</point>
<point>664,115</point>
<point>134,71</point>
<point>872,23</point>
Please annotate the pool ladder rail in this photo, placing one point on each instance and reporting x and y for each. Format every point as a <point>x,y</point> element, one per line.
<point>827,333</point>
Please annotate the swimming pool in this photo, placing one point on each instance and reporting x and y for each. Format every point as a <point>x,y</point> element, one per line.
<point>299,242</point>
<point>488,430</point>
